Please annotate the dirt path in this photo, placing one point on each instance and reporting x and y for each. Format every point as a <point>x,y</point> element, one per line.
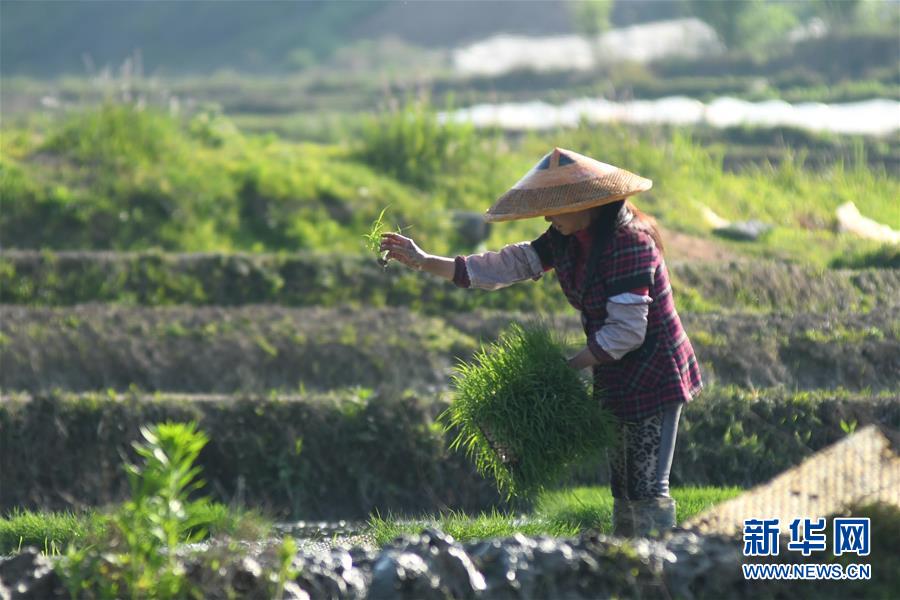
<point>684,247</point>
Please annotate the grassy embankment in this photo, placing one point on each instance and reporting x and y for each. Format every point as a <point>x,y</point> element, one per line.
<point>265,349</point>
<point>47,278</point>
<point>334,455</point>
<point>51,531</point>
<point>119,179</point>
<point>560,513</point>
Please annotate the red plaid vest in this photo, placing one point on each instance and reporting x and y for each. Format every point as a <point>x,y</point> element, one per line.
<point>663,370</point>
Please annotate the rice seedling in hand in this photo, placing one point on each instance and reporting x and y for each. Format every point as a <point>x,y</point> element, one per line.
<point>373,238</point>
<point>523,414</point>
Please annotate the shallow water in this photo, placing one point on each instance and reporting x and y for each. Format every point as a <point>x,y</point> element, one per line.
<point>505,53</point>
<point>320,529</point>
<point>873,117</point>
<point>323,536</point>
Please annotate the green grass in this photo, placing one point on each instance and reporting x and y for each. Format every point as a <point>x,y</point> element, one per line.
<point>886,256</point>
<point>467,528</point>
<point>51,532</point>
<point>591,507</point>
<point>842,335</point>
<point>556,513</point>
<point>118,178</point>
<point>409,143</point>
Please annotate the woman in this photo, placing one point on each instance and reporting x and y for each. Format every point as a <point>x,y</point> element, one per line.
<point>608,259</point>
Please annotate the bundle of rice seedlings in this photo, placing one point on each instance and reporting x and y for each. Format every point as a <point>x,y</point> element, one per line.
<point>523,414</point>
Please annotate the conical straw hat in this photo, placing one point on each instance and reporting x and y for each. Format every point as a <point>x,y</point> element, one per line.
<point>562,182</point>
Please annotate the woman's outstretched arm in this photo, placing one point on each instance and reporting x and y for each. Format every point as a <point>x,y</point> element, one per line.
<point>487,270</point>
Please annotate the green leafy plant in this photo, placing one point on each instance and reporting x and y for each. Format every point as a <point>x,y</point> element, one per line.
<point>848,427</point>
<point>286,571</point>
<point>523,413</point>
<point>148,528</point>
<point>160,514</point>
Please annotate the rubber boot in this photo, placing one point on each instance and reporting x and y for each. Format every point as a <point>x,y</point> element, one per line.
<point>653,516</point>
<point>622,518</point>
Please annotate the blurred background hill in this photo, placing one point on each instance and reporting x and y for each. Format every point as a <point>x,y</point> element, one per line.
<point>41,38</point>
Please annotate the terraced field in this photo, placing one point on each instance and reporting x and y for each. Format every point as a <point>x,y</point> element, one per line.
<point>318,380</point>
<point>318,376</point>
<point>754,324</point>
<point>358,386</point>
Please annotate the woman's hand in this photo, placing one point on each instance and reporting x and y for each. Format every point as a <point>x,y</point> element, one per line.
<point>580,361</point>
<point>404,250</point>
<point>586,358</point>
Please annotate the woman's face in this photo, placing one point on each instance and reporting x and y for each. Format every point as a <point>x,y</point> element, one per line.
<point>569,223</point>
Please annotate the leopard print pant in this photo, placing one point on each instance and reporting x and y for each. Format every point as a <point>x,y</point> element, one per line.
<point>639,465</point>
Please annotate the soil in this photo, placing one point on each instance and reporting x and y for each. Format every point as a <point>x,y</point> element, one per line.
<point>432,565</point>
<point>682,247</point>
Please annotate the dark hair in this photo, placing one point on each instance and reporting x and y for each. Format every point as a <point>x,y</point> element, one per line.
<point>647,223</point>
<point>606,219</point>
